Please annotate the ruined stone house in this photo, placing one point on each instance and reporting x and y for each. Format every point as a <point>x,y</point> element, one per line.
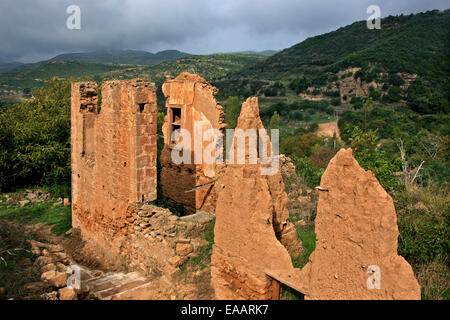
<point>114,180</point>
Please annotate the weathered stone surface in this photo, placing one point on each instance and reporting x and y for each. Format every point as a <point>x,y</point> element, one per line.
<point>356,228</point>
<point>113,160</point>
<point>183,249</point>
<point>251,212</point>
<point>67,293</point>
<point>61,267</point>
<point>53,248</point>
<point>190,101</point>
<point>48,267</point>
<point>54,278</point>
<point>286,166</point>
<point>50,295</point>
<point>43,261</point>
<point>177,261</point>
<point>35,287</point>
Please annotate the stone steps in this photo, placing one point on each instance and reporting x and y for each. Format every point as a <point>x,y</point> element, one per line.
<point>108,285</point>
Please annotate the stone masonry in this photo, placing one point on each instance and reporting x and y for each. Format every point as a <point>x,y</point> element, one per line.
<point>190,100</point>
<point>114,181</point>
<point>113,157</point>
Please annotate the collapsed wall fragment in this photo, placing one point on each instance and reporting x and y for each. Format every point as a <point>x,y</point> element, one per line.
<point>356,239</point>
<point>191,106</point>
<point>251,220</point>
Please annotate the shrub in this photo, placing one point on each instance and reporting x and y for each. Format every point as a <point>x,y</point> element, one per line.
<point>35,138</point>
<point>310,174</point>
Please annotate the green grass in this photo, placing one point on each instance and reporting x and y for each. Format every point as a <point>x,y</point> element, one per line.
<point>203,257</point>
<point>308,238</point>
<point>15,260</point>
<point>58,216</point>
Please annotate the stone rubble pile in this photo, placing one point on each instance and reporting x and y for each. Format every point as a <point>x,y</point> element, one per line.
<point>30,197</point>
<point>54,265</point>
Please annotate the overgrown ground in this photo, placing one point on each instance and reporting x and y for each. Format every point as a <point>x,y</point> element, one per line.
<point>17,225</point>
<point>422,220</point>
<point>196,271</point>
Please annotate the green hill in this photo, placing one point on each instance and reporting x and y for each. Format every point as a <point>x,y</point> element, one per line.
<point>29,79</point>
<point>9,66</point>
<point>415,44</point>
<point>211,67</point>
<point>123,56</point>
<point>215,66</point>
<point>407,43</point>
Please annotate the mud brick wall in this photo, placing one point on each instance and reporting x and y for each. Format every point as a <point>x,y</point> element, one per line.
<point>113,158</point>
<point>252,233</point>
<point>190,98</point>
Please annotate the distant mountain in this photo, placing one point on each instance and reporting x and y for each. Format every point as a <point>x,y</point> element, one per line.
<point>123,56</point>
<point>9,66</point>
<point>29,77</point>
<point>407,43</point>
<point>262,53</point>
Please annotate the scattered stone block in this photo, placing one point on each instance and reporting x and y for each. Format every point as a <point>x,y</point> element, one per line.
<point>55,278</point>
<point>67,293</point>
<point>183,249</point>
<point>48,267</point>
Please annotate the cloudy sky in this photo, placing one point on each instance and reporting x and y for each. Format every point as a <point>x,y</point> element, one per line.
<point>32,30</point>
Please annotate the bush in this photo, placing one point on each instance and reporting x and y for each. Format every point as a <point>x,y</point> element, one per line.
<point>35,138</point>
<point>232,111</point>
<point>423,228</point>
<point>336,101</point>
<point>310,174</point>
<point>363,145</point>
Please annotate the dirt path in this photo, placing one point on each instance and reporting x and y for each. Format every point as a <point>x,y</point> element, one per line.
<point>328,129</point>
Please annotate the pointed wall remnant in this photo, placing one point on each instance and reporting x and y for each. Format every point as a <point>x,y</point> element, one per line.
<point>190,102</point>
<point>251,220</point>
<point>356,247</point>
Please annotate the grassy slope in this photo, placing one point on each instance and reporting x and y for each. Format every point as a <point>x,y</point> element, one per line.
<point>35,77</point>
<point>414,43</point>
<point>208,66</point>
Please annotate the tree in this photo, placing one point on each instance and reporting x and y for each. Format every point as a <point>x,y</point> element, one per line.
<point>35,138</point>
<point>365,151</point>
<point>274,121</point>
<point>232,111</point>
<point>409,176</point>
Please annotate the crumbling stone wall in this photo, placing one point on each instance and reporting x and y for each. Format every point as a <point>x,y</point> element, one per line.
<point>252,230</point>
<point>356,247</point>
<point>113,157</point>
<point>114,179</point>
<point>190,98</point>
<point>356,240</point>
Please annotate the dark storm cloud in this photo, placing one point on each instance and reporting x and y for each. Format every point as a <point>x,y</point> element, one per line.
<point>31,30</point>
